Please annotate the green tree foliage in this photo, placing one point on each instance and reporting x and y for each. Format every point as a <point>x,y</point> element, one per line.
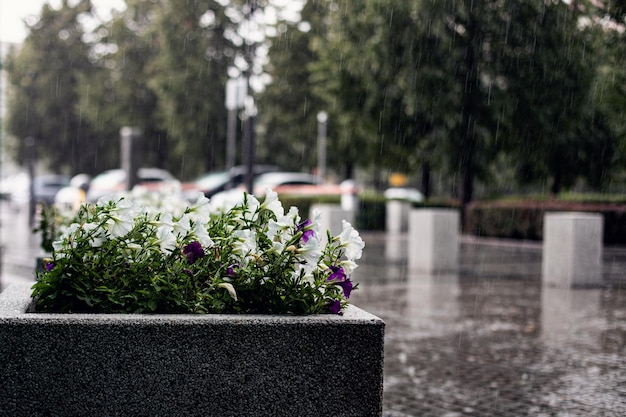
<point>116,93</point>
<point>189,77</point>
<point>548,68</point>
<point>288,107</point>
<point>43,104</point>
<point>404,81</point>
<point>456,87</point>
<point>411,82</point>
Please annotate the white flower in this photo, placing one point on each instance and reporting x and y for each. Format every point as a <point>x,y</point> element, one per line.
<point>229,287</point>
<point>119,226</point>
<point>183,226</point>
<point>272,203</point>
<point>245,242</point>
<point>97,235</point>
<point>351,242</point>
<point>348,266</point>
<point>200,210</point>
<point>311,251</point>
<point>202,235</point>
<point>165,239</point>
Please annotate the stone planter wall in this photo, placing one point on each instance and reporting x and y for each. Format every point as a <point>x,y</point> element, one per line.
<point>187,365</point>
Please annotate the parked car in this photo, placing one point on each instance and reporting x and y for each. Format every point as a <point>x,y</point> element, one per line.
<point>212,183</point>
<point>299,183</point>
<point>114,181</point>
<point>411,195</point>
<point>294,183</point>
<point>71,197</point>
<point>46,187</point>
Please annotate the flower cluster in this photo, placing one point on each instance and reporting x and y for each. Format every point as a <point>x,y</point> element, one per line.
<point>122,255</point>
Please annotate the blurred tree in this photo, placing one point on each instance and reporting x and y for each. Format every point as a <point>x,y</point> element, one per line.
<point>548,65</point>
<point>404,79</point>
<point>117,93</point>
<point>288,107</point>
<point>43,103</point>
<point>189,77</point>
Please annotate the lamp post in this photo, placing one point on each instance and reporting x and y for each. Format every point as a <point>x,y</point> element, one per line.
<point>236,92</point>
<point>322,124</point>
<point>130,138</point>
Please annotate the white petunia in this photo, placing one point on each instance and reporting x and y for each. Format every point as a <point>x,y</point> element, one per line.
<point>229,287</point>
<point>272,203</point>
<point>165,239</point>
<point>183,226</point>
<point>351,241</point>
<point>245,242</point>
<point>202,235</point>
<point>311,251</point>
<point>119,226</point>
<point>200,210</point>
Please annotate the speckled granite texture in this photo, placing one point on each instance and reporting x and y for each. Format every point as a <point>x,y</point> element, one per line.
<point>184,365</point>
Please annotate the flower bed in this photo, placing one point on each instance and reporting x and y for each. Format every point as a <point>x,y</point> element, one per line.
<point>122,255</point>
<point>187,364</point>
<point>269,351</point>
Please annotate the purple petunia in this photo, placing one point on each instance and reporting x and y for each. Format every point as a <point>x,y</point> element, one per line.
<point>48,266</point>
<point>346,286</point>
<point>232,270</point>
<point>337,274</point>
<point>334,307</point>
<point>306,233</point>
<point>193,251</point>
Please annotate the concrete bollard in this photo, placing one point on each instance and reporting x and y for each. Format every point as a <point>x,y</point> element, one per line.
<point>397,216</point>
<point>433,241</point>
<point>572,249</point>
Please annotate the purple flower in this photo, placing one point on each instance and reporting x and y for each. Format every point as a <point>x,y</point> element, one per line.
<point>232,270</point>
<point>337,274</point>
<point>306,233</point>
<point>334,307</point>
<point>193,251</point>
<point>346,286</point>
<point>48,266</point>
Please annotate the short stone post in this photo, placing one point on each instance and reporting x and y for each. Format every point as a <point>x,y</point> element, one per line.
<point>433,240</point>
<point>572,249</point>
<point>397,216</point>
<point>331,216</point>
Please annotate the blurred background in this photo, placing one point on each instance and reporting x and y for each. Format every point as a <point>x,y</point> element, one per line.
<point>446,103</point>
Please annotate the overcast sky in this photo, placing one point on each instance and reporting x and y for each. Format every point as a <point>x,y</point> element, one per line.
<point>13,13</point>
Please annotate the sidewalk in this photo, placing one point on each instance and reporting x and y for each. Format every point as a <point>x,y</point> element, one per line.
<point>488,341</point>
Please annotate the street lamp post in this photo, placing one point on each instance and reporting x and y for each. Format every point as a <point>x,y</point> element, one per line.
<point>236,92</point>
<point>322,124</point>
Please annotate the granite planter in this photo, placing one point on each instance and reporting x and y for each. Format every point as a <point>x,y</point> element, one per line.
<point>187,365</point>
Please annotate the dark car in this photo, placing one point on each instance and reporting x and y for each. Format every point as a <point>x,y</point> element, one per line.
<point>46,187</point>
<point>212,183</point>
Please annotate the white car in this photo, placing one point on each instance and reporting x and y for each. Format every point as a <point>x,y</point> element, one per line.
<point>114,181</point>
<point>404,193</point>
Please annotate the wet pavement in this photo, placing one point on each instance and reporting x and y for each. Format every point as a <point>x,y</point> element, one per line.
<point>486,341</point>
<point>489,340</point>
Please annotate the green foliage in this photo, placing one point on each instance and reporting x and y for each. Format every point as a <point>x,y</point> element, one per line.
<point>44,99</point>
<point>124,256</point>
<point>288,107</point>
<point>452,87</point>
<point>522,218</point>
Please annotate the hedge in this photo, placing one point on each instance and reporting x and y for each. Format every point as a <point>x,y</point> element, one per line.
<point>524,219</point>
